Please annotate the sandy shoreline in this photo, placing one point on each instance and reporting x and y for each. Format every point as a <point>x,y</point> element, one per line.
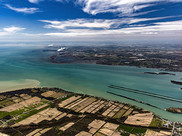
<point>18,84</point>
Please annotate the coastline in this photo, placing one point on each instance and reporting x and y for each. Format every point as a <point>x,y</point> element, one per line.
<point>139,105</point>
<point>7,86</point>
<point>55,106</point>
<point>25,90</point>
<point>157,69</point>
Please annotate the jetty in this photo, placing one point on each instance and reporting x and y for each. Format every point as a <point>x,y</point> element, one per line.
<point>145,93</point>
<point>176,82</point>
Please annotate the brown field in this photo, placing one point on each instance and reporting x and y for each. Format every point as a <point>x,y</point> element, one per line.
<point>57,95</point>
<point>109,110</point>
<point>61,116</point>
<point>69,100</point>
<point>128,112</point>
<point>17,106</point>
<point>67,126</point>
<point>99,134</point>
<point>25,96</point>
<point>42,106</point>
<point>143,119</point>
<point>38,132</point>
<point>111,114</point>
<point>100,107</point>
<point>47,114</point>
<point>75,106</point>
<point>121,112</point>
<point>156,133</point>
<point>69,105</point>
<point>89,107</point>
<point>83,133</point>
<point>94,106</point>
<point>84,104</point>
<point>96,124</point>
<point>48,93</point>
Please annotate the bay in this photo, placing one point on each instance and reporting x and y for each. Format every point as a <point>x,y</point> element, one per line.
<point>31,63</point>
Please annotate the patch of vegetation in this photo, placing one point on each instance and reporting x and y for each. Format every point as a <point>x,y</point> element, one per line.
<point>52,105</point>
<point>133,130</point>
<point>18,134</point>
<point>17,112</point>
<point>156,122</point>
<point>125,134</point>
<point>13,113</point>
<point>35,105</point>
<point>57,128</point>
<point>34,91</point>
<point>60,133</point>
<point>24,116</point>
<point>6,102</point>
<point>44,100</point>
<point>3,114</point>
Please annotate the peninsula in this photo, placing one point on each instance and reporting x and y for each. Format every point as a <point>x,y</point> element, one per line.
<point>166,58</point>
<point>54,111</point>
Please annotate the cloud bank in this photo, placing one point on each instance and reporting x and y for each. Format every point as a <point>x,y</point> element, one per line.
<point>79,27</point>
<point>10,30</point>
<point>124,7</point>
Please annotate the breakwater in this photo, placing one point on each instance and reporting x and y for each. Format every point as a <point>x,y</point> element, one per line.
<point>176,82</point>
<point>146,93</point>
<point>134,100</point>
<point>160,73</point>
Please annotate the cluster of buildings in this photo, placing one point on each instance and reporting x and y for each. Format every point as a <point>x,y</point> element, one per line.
<point>166,58</point>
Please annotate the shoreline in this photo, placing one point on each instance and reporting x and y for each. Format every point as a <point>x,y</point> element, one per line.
<point>89,90</point>
<point>24,90</point>
<point>61,106</point>
<point>155,68</point>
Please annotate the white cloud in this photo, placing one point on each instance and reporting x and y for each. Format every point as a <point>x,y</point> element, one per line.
<point>81,23</point>
<point>96,23</point>
<point>125,7</point>
<point>13,29</point>
<point>34,1</point>
<point>140,13</point>
<point>156,28</point>
<point>23,10</point>
<point>138,7</point>
<point>3,33</point>
<point>10,30</point>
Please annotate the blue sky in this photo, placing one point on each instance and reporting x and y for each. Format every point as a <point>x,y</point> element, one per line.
<point>117,20</point>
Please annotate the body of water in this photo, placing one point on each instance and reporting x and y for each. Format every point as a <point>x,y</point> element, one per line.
<point>23,65</point>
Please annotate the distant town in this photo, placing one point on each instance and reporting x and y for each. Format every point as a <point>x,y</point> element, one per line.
<point>166,58</point>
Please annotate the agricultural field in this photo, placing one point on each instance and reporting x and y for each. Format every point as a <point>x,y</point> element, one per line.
<point>53,111</point>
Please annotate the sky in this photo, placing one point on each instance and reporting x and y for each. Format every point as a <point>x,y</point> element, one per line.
<point>91,20</point>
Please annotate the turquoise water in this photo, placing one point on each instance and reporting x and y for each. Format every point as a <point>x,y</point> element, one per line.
<point>17,63</point>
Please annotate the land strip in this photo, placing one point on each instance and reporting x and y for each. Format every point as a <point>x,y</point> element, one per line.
<point>73,114</point>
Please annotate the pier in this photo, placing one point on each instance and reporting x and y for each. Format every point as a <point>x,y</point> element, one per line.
<point>145,93</point>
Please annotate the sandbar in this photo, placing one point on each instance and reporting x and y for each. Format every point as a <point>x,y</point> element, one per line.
<point>18,84</point>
